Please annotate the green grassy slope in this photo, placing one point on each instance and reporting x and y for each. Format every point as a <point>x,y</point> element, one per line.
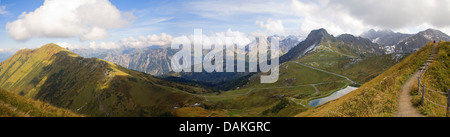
<point>378,97</point>
<point>13,105</point>
<point>282,98</point>
<point>358,69</point>
<point>90,86</point>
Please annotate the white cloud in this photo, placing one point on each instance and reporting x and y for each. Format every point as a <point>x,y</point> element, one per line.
<point>238,38</point>
<point>149,40</point>
<point>357,16</point>
<point>322,14</point>
<point>69,45</point>
<point>95,33</point>
<point>92,45</point>
<point>86,19</point>
<point>103,45</point>
<point>230,33</point>
<point>398,13</point>
<point>272,26</point>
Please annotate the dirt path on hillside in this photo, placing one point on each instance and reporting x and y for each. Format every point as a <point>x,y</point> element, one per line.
<point>405,106</point>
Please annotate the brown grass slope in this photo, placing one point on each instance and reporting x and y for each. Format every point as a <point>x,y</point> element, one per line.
<point>13,105</point>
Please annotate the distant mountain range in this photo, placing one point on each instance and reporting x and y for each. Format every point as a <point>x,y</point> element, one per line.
<point>417,41</point>
<point>385,37</point>
<point>155,60</point>
<point>404,43</point>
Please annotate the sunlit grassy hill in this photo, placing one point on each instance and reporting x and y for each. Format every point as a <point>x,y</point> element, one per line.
<point>90,86</point>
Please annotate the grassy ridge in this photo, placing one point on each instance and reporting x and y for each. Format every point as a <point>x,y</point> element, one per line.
<point>91,86</point>
<point>436,78</point>
<point>13,105</point>
<point>378,97</point>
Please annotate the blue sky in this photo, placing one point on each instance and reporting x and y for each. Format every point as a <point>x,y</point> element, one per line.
<point>181,17</point>
<point>173,17</point>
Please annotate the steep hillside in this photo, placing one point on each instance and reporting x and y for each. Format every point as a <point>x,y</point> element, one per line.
<point>314,37</point>
<point>13,105</point>
<point>90,86</point>
<point>378,97</point>
<point>436,77</point>
<point>361,70</point>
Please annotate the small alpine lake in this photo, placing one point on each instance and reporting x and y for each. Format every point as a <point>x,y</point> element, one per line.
<point>335,95</point>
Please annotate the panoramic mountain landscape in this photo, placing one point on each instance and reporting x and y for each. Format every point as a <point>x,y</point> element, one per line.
<point>104,58</point>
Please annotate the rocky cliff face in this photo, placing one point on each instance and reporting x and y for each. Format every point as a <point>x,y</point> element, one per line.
<point>152,61</point>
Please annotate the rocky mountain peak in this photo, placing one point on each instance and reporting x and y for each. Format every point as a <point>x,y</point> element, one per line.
<point>319,33</point>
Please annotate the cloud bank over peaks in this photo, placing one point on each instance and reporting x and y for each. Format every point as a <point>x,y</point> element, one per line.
<point>130,42</point>
<point>149,40</point>
<point>164,40</point>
